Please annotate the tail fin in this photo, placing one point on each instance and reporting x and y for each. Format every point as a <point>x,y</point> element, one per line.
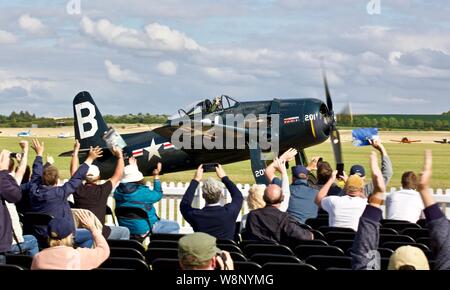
<point>89,124</point>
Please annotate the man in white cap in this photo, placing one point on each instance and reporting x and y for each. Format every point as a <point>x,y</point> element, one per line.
<point>94,196</point>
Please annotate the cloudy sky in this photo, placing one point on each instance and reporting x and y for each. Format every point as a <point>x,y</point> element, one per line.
<point>157,56</point>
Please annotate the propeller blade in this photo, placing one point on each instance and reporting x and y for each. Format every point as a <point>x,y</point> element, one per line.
<point>327,90</point>
<point>336,144</point>
<point>346,114</point>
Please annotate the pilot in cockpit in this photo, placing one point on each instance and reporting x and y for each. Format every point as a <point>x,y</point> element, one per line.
<point>216,105</point>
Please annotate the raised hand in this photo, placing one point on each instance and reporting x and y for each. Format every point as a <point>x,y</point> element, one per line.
<point>76,146</point>
<point>50,159</point>
<point>86,220</point>
<point>279,165</point>
<point>199,173</point>
<point>158,169</point>
<point>425,180</point>
<point>117,152</point>
<point>24,145</point>
<point>289,154</point>
<point>313,163</point>
<point>132,161</point>
<point>38,147</point>
<point>220,172</point>
<point>4,160</point>
<point>94,153</point>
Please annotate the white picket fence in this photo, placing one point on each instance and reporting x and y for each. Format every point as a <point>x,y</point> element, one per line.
<point>169,206</point>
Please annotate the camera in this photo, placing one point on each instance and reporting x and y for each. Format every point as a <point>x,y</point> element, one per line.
<point>222,255</point>
<point>210,167</point>
<point>12,155</point>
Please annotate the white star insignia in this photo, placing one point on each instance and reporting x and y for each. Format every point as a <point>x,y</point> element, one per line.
<point>153,150</point>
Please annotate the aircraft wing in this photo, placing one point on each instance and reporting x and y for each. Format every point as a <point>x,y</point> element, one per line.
<point>415,141</point>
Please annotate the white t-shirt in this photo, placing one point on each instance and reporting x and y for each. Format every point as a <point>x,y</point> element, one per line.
<point>344,211</point>
<point>406,205</point>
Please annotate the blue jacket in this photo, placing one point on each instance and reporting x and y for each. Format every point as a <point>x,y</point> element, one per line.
<point>218,221</point>
<point>138,195</point>
<point>301,202</point>
<point>367,238</point>
<point>10,192</point>
<point>52,200</point>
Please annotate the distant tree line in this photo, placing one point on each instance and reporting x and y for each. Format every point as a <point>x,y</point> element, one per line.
<point>420,122</point>
<point>24,119</point>
<point>136,119</point>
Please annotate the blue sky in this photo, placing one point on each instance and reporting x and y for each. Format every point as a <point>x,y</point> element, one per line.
<point>157,56</point>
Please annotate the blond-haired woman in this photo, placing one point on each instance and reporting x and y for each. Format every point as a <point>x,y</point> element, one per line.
<point>254,201</point>
<point>62,256</point>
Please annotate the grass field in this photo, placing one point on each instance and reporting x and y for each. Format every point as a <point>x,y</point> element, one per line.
<point>404,157</point>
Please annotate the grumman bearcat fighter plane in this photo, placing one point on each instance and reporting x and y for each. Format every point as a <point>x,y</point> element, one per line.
<point>292,123</point>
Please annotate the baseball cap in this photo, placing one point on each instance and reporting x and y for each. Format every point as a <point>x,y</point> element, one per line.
<point>358,169</point>
<point>408,255</point>
<point>355,181</point>
<point>201,246</point>
<point>131,173</point>
<point>93,171</point>
<point>59,228</point>
<point>297,170</point>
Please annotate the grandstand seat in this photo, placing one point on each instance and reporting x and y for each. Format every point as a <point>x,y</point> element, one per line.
<point>384,221</point>
<point>387,231</point>
<point>226,241</point>
<point>384,263</point>
<point>394,245</point>
<point>238,257</point>
<point>275,266</point>
<point>425,241</point>
<point>304,252</point>
<point>305,226</point>
<point>416,233</point>
<point>422,223</point>
<point>344,245</point>
<point>385,252</point>
<point>166,237</point>
<point>338,269</point>
<point>325,262</point>
<point>250,250</point>
<point>395,238</point>
<point>247,266</point>
<point>125,263</point>
<point>262,259</point>
<point>296,243</point>
<point>154,253</point>
<point>318,235</point>
<point>401,226</point>
<point>23,261</point>
<point>163,244</point>
<point>33,219</point>
<point>256,242</point>
<point>163,264</point>
<point>133,213</point>
<point>126,253</point>
<point>327,229</point>
<point>316,223</point>
<point>8,268</point>
<point>131,244</point>
<point>229,248</point>
<point>330,237</point>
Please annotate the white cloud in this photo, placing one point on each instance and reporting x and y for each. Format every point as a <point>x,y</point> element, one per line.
<point>117,74</point>
<point>31,24</point>
<point>168,68</point>
<point>394,56</point>
<point>13,86</point>
<point>155,37</point>
<point>402,100</point>
<point>228,75</point>
<point>7,37</point>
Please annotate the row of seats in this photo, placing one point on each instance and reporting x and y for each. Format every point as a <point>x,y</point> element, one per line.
<point>317,223</point>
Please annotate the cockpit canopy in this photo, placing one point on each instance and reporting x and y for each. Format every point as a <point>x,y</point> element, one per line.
<point>205,107</point>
